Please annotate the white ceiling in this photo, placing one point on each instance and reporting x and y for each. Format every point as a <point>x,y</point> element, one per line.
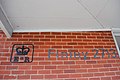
<point>52,15</point>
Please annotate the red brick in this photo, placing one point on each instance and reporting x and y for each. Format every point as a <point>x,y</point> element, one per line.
<point>74,75</point>
<point>91,36</point>
<point>50,76</point>
<point>91,62</point>
<point>37,67</point>
<point>44,39</point>
<point>76,33</point>
<point>61,36</point>
<point>69,71</point>
<point>56,33</point>
<point>87,75</point>
<point>107,65</point>
<point>38,58</point>
<point>100,37</point>
<point>56,39</point>
<point>66,33</point>
<point>106,78</point>
<point>4,72</point>
<point>103,69</point>
<point>23,76</point>
<point>44,72</point>
<point>69,79</point>
<point>77,40</point>
<point>31,72</point>
<point>71,36</point>
<point>113,69</point>
<point>38,43</point>
<point>45,33</point>
<point>72,43</point>
<point>81,36</point>
<point>86,33</point>
<point>33,63</point>
<point>16,35</point>
<point>82,43</point>
<point>99,74</point>
<point>11,39</point>
<point>75,66</point>
<point>23,33</point>
<point>51,58</point>
<point>2,67</point>
<point>36,76</point>
<point>94,79</point>
<point>34,33</point>
<point>44,63</point>
<point>45,46</point>
<point>63,76</point>
<point>92,43</point>
<point>4,50</point>
<point>67,46</point>
<point>69,62</point>
<point>97,40</point>
<point>62,67</point>
<point>95,33</point>
<point>57,62</point>
<point>97,66</point>
<point>98,46</point>
<point>1,76</point>
<point>118,73</point>
<point>92,70</point>
<point>9,77</point>
<point>25,67</point>
<point>49,36</point>
<point>16,42</point>
<point>108,37</point>
<point>86,66</point>
<point>87,40</point>
<point>43,54</point>
<point>33,39</point>
<point>18,72</point>
<point>102,61</point>
<point>22,39</point>
<point>109,73</point>
<point>82,78</point>
<point>116,77</point>
<point>67,40</point>
<point>61,43</point>
<point>80,62</point>
<point>49,43</point>
<point>12,67</point>
<point>27,36</point>
<point>57,71</point>
<point>81,70</point>
<point>57,46</point>
<point>50,67</point>
<point>102,43</point>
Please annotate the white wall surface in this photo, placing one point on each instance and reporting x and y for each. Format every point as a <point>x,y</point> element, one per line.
<point>51,15</point>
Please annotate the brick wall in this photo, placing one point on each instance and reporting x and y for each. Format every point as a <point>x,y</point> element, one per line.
<point>61,68</point>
